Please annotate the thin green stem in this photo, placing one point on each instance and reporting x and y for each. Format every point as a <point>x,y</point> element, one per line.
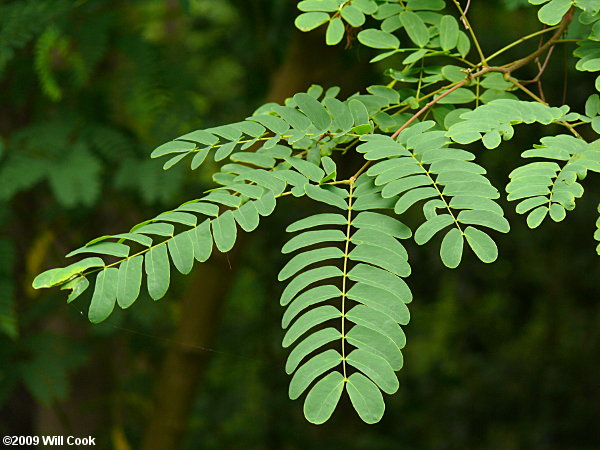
<point>521,40</point>
<point>436,187</point>
<point>345,275</point>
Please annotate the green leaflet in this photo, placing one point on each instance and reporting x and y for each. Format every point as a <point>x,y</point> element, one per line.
<point>222,152</point>
<point>262,178</point>
<point>323,398</point>
<point>552,12</point>
<point>306,279</point>
<point>156,263</point>
<point>476,203</point>
<point>266,204</point>
<point>256,159</point>
<point>432,226</point>
<point>448,32</point>
<point>452,248</point>
<point>433,5</point>
<point>413,196</point>
<point>54,277</point>
<point>306,168</point>
<point>307,321</point>
<point>383,223</point>
<point>380,257</point>
<point>224,231</point>
<point>317,220</point>
<point>311,20</point>
<point>312,237</point>
<point>103,248</point>
<point>312,296</point>
<point>381,279</point>
<point>483,245</point>
<point>160,229</point>
<point>365,397</point>
<point>308,345</point>
<point>484,218</point>
<point>394,173</point>
<point>310,370</point>
<point>415,27</point>
<point>199,157</point>
<point>340,112</point>
<point>536,217</point>
<point>139,238</point>
<point>292,116</point>
<point>335,31</point>
<point>353,16</point>
<point>77,285</point>
<point>376,368</point>
<point>105,295</point>
<point>377,321</point>
<point>313,109</point>
<point>399,186</point>
<point>305,259</point>
<point>275,124</point>
<point>359,112</point>
<point>181,248</point>
<point>202,241</point>
<point>378,39</point>
<point>201,208</point>
<point>173,147</point>
<point>325,196</point>
<point>247,216</point>
<point>380,300</point>
<point>376,343</point>
<point>129,281</point>
<point>224,198</point>
<point>378,238</point>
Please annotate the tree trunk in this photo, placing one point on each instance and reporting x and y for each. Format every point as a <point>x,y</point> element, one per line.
<point>186,358</point>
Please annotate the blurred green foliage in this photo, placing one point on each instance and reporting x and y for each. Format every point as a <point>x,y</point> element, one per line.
<point>501,357</point>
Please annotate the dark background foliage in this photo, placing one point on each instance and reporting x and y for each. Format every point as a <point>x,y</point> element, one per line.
<point>499,356</point>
